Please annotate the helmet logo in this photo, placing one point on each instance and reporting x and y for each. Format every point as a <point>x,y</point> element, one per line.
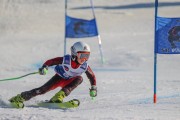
<point>85,48</point>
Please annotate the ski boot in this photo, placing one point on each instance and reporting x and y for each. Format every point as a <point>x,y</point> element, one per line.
<point>17,101</point>
<point>58,97</point>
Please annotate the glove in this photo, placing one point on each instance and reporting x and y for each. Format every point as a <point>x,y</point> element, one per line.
<point>93,91</point>
<point>43,70</point>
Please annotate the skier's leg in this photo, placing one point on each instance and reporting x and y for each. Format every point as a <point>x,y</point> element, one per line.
<point>71,86</point>
<point>67,87</point>
<point>24,96</point>
<point>50,85</point>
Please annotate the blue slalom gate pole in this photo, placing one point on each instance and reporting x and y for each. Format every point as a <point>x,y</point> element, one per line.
<point>155,54</point>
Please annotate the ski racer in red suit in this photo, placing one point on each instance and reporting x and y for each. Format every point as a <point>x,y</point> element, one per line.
<point>68,76</point>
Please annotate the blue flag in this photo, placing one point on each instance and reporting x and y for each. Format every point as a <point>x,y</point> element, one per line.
<point>79,28</point>
<point>167,39</point>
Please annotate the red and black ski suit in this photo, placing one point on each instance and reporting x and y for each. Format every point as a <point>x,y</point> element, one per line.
<point>57,81</point>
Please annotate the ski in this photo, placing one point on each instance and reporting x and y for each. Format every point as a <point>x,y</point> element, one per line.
<point>74,103</point>
<point>69,104</point>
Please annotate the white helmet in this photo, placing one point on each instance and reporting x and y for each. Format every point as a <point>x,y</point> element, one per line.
<point>79,47</point>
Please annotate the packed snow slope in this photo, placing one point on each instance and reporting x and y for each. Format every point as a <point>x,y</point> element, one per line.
<point>32,31</point>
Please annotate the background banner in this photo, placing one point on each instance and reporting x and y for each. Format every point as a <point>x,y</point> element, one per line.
<point>167,35</point>
<point>79,28</point>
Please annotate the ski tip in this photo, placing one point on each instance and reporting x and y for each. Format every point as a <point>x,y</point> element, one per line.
<point>76,101</point>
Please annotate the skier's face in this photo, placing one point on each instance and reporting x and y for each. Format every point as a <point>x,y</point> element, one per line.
<point>81,61</point>
<point>82,57</point>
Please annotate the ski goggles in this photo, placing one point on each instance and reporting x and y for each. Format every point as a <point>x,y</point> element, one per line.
<point>83,55</point>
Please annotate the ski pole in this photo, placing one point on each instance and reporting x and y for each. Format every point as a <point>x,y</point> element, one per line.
<point>15,78</point>
<point>92,98</point>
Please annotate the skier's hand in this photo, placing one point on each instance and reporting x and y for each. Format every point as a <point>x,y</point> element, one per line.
<point>43,70</point>
<point>93,91</point>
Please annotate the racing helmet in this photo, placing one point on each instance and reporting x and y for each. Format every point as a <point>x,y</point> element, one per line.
<point>80,50</point>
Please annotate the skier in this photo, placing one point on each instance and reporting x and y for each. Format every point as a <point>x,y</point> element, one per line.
<point>68,76</point>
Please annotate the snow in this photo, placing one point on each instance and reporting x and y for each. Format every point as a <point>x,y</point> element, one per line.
<point>32,32</point>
